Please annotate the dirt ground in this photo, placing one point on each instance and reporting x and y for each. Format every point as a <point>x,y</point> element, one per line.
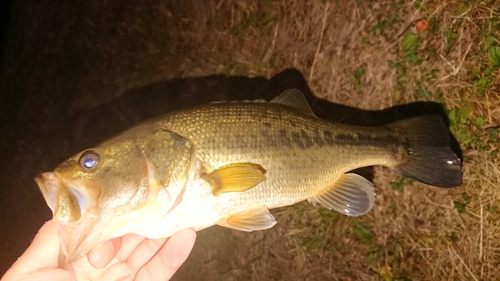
<point>75,73</point>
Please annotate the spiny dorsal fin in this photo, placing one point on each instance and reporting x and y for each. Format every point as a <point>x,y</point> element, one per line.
<point>294,98</point>
<point>258,218</point>
<point>350,195</point>
<point>235,177</point>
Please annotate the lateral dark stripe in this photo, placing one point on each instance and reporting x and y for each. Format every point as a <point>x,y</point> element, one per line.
<point>303,138</point>
<point>362,139</point>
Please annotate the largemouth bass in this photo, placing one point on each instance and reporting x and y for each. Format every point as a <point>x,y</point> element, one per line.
<point>228,163</point>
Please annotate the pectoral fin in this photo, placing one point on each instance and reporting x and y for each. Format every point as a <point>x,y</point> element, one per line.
<point>235,177</point>
<point>351,195</point>
<point>255,219</point>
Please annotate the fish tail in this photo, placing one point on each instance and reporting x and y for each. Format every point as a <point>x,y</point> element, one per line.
<point>427,155</point>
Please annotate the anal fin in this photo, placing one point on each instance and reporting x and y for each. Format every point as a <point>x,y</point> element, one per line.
<point>235,177</point>
<point>254,219</point>
<point>351,195</point>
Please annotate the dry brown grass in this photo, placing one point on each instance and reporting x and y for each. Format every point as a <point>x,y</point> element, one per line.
<point>415,233</point>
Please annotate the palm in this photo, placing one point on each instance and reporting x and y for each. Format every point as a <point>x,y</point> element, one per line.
<point>135,258</point>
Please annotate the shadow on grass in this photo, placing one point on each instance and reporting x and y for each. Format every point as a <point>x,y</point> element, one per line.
<point>162,97</point>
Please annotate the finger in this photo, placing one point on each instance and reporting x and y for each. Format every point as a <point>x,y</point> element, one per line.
<point>127,269</point>
<point>169,258</point>
<point>129,243</point>
<point>101,255</point>
<point>40,259</point>
<point>144,252</point>
<point>44,249</point>
<point>118,267</point>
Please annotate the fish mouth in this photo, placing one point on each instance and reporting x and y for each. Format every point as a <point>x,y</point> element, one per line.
<point>73,213</point>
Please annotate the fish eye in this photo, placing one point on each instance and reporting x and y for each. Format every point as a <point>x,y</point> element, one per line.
<point>89,160</point>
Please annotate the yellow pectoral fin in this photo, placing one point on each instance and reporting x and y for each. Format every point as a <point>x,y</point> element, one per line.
<point>235,177</point>
<point>351,195</point>
<point>254,219</point>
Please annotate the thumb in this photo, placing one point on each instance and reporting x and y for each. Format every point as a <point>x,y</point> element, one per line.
<point>44,249</point>
<point>40,257</point>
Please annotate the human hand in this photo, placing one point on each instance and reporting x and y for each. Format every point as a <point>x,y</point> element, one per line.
<point>130,257</point>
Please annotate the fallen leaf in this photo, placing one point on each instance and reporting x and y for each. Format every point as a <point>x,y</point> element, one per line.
<point>422,25</point>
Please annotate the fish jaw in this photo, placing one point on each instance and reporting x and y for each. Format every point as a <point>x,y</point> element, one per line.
<point>83,226</point>
<point>48,184</point>
<point>73,210</point>
<point>68,200</point>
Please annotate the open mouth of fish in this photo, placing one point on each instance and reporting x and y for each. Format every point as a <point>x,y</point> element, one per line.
<point>71,212</point>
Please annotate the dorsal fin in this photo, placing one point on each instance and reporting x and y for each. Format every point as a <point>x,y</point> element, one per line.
<point>294,98</point>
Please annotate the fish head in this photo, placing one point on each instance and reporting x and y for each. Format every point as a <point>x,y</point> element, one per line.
<point>112,189</point>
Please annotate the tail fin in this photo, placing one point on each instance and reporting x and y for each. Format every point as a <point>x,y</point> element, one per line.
<point>430,158</point>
